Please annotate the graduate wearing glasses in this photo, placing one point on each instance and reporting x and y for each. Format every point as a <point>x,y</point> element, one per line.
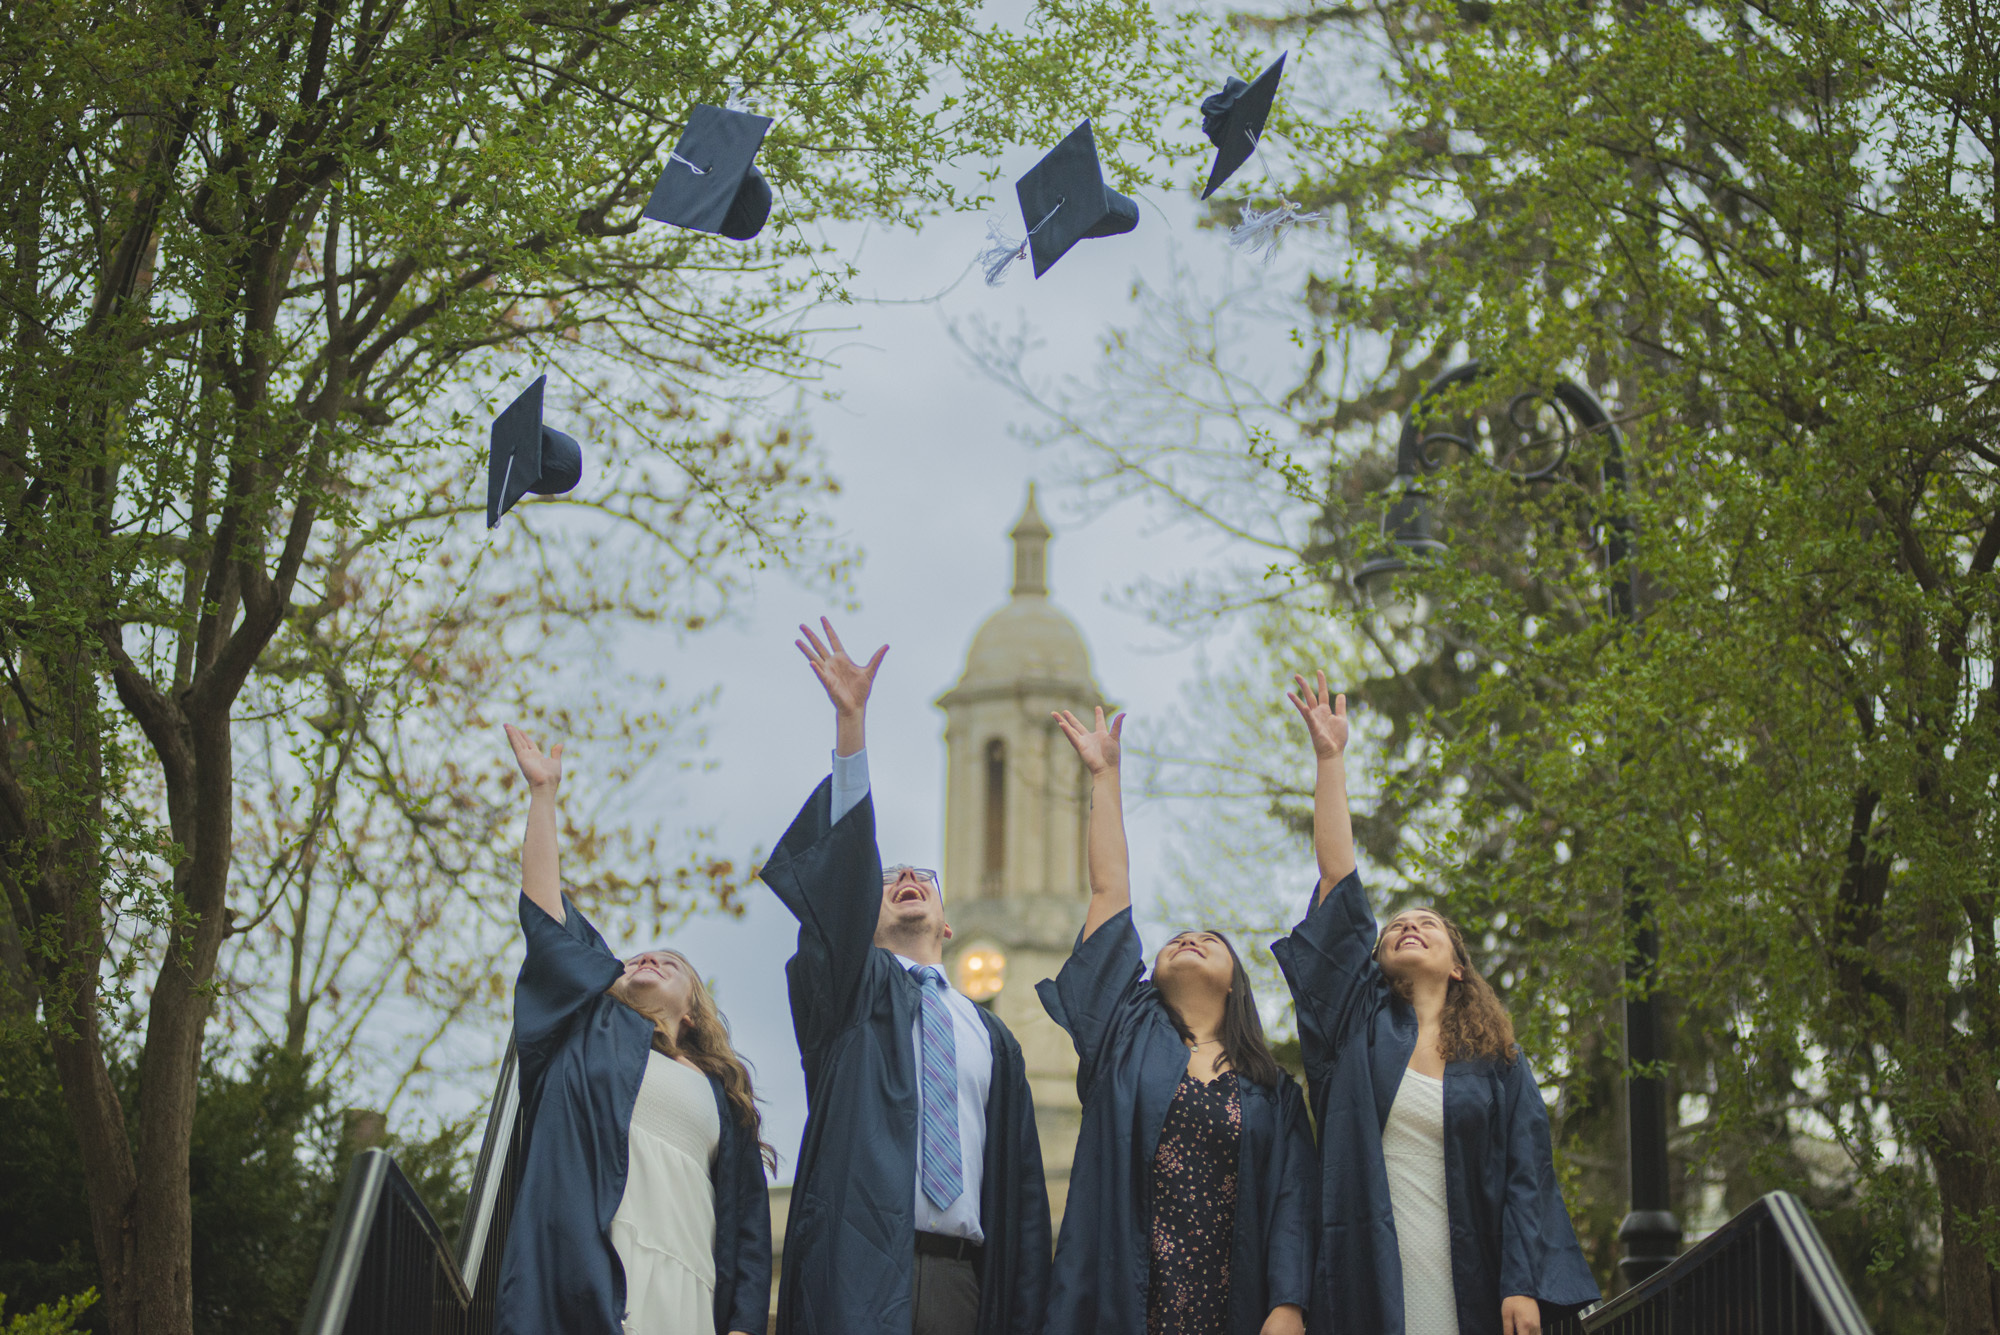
<point>919,1206</point>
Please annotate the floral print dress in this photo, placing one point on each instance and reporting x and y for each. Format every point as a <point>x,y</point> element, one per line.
<point>1194,1208</point>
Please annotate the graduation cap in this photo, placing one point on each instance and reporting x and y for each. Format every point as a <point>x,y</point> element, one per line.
<point>1064,200</point>
<point>711,182</point>
<point>527,455</point>
<point>1234,118</point>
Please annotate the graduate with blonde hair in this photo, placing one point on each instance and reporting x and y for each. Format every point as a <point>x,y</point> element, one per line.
<point>642,1206</point>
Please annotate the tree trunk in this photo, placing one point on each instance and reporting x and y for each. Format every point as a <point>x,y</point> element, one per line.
<point>200,808</point>
<point>1966,1154</point>
<point>110,1176</point>
<point>56,860</point>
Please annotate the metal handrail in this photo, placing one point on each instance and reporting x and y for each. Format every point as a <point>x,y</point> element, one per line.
<point>1765,1272</point>
<point>489,1208</point>
<point>346,1243</point>
<point>386,1269</point>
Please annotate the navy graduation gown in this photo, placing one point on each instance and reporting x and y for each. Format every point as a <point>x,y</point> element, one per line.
<point>1510,1233</point>
<point>1130,1060</point>
<point>580,1057</point>
<point>850,1244</point>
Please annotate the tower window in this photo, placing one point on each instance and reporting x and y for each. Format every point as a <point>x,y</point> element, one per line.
<point>995,861</point>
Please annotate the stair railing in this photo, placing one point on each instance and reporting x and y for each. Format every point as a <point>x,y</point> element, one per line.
<point>1765,1272</point>
<point>386,1269</point>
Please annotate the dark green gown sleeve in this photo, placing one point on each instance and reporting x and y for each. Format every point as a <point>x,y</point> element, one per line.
<point>829,875</point>
<point>1539,1254</point>
<point>742,1227</point>
<point>1294,1230</point>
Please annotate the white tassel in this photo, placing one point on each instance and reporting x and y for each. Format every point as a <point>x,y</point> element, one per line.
<point>1261,231</point>
<point>1001,250</point>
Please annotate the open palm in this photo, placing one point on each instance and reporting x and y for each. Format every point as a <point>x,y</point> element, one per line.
<point>541,771</point>
<point>847,682</point>
<point>1326,719</point>
<point>1097,747</point>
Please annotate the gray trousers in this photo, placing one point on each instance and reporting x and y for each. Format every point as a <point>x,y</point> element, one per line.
<point>944,1297</point>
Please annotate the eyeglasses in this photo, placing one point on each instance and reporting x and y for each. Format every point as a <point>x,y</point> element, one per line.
<point>890,875</point>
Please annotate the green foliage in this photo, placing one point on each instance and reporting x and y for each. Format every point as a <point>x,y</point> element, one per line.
<point>267,1153</point>
<point>46,1250</point>
<point>1745,225</point>
<point>50,1318</point>
<point>269,266</point>
<point>1762,234</point>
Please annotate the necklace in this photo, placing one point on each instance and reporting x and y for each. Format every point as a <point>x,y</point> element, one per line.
<point>1210,1042</point>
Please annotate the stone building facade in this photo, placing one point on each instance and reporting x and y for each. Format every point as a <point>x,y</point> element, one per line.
<point>1016,803</point>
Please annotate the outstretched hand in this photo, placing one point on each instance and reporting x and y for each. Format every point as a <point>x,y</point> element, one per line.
<point>1326,719</point>
<point>543,772</point>
<point>847,683</point>
<point>1097,747</point>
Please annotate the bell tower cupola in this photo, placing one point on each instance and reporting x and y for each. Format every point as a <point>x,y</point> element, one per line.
<point>1017,803</point>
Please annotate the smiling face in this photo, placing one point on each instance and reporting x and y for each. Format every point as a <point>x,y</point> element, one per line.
<point>912,918</point>
<point>1195,959</point>
<point>1416,946</point>
<point>657,983</point>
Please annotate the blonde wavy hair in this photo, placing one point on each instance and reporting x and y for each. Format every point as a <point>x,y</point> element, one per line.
<point>1474,1024</point>
<point>704,1040</point>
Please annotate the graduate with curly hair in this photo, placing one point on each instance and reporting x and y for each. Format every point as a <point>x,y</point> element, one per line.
<point>1441,1214</point>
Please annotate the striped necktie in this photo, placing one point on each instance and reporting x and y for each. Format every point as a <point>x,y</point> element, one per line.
<point>942,1171</point>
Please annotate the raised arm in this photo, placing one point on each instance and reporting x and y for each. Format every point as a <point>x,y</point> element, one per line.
<point>567,964</point>
<point>541,875</point>
<point>1096,982</point>
<point>1110,861</point>
<point>825,868</point>
<point>848,686</point>
<point>1333,828</point>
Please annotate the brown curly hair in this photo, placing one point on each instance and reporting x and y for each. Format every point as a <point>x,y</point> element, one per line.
<point>1474,1026</point>
<point>704,1041</point>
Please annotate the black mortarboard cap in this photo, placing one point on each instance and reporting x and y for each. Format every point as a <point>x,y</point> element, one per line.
<point>527,455</point>
<point>1234,118</point>
<point>1064,200</point>
<point>711,182</point>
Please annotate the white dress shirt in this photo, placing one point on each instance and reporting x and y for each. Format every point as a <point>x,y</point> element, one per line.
<point>975,1056</point>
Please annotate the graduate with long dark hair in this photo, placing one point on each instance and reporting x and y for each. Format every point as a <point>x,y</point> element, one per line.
<point>1192,1201</point>
<point>1438,1189</point>
<point>643,1208</point>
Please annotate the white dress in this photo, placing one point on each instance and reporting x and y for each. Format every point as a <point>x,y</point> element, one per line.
<point>1413,1152</point>
<point>664,1230</point>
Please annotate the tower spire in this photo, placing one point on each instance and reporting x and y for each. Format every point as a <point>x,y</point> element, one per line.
<point>1031,547</point>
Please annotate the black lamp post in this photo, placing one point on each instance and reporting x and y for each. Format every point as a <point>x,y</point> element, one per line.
<point>1650,1232</point>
